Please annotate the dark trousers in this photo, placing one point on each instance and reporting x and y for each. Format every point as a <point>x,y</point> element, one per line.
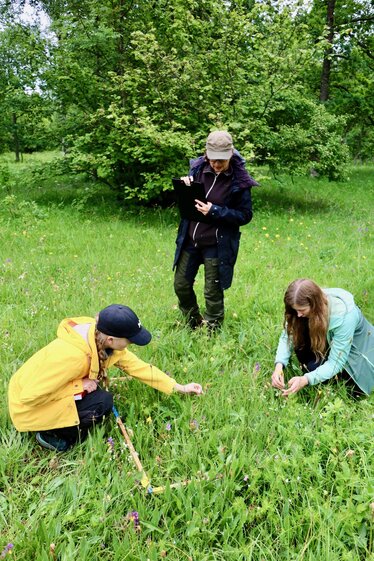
<point>188,265</point>
<point>309,362</point>
<point>91,410</point>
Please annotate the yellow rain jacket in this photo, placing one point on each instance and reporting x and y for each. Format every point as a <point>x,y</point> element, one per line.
<point>41,392</point>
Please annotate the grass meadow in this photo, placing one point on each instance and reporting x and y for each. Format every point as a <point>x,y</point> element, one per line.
<point>272,479</point>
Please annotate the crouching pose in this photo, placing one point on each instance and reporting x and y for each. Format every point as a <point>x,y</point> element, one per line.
<point>57,392</point>
<point>328,334</point>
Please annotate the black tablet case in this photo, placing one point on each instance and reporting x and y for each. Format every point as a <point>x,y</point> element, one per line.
<point>186,195</point>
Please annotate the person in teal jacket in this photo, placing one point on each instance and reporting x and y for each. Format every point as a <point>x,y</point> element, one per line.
<point>328,334</point>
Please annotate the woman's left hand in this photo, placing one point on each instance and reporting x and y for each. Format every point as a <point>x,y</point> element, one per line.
<point>204,208</point>
<point>295,384</point>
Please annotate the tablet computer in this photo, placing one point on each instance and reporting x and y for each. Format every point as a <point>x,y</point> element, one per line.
<point>186,195</point>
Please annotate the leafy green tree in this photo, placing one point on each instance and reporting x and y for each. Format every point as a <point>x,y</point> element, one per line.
<point>344,75</point>
<point>22,56</point>
<point>136,87</point>
<point>167,78</point>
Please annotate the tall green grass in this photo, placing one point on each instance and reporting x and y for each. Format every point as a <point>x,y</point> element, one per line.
<point>272,479</point>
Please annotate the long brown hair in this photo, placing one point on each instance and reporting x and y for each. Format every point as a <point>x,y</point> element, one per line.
<point>306,293</point>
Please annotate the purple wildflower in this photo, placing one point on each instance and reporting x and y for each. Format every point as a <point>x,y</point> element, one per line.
<point>134,516</point>
<point>168,426</point>
<point>257,366</point>
<point>194,425</point>
<point>245,478</point>
<point>6,550</point>
<point>110,442</point>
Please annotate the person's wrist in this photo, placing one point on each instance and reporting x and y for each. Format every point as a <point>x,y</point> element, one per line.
<point>178,388</point>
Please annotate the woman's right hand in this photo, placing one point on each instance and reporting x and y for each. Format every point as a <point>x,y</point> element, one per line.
<point>89,385</point>
<point>277,378</point>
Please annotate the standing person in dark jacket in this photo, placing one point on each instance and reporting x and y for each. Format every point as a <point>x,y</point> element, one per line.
<point>214,242</point>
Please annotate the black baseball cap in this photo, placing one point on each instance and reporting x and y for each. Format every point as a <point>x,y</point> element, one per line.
<point>120,321</point>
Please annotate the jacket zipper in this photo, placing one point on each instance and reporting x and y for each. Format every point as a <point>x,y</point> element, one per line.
<point>206,196</point>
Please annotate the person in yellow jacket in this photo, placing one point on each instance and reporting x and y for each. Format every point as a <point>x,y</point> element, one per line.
<point>56,393</point>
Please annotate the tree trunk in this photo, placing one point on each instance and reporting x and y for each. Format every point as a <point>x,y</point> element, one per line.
<point>15,137</point>
<point>326,68</point>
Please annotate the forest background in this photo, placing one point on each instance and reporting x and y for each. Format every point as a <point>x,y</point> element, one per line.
<point>127,90</point>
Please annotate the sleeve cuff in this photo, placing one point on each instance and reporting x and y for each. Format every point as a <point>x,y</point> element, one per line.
<point>311,380</point>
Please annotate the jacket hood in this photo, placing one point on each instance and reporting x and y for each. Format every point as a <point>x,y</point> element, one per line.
<point>246,181</point>
<point>67,333</point>
<point>341,301</point>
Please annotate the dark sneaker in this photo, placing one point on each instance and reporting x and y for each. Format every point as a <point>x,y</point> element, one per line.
<point>51,442</point>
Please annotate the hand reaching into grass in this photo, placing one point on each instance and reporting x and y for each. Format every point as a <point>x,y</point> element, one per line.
<point>191,388</point>
<point>277,379</point>
<point>296,384</point>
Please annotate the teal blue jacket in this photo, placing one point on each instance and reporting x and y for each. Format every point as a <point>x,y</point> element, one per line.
<point>350,338</point>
